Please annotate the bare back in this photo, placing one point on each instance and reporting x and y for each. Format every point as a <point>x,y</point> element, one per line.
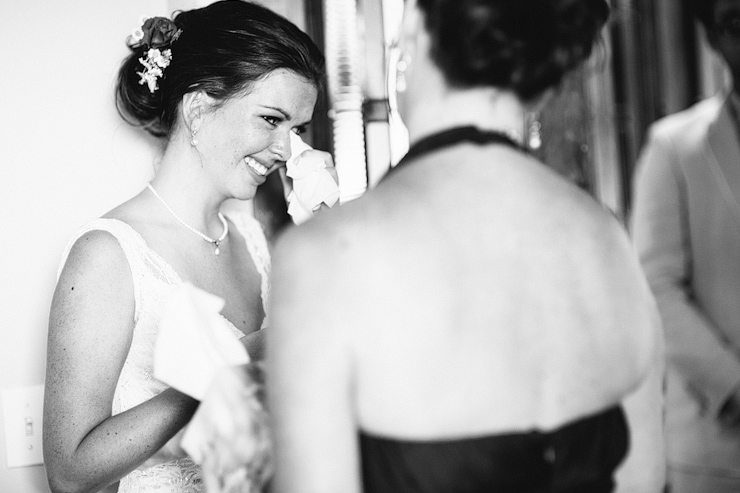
<point>478,292</point>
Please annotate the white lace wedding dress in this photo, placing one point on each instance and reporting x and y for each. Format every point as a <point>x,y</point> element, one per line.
<point>169,470</point>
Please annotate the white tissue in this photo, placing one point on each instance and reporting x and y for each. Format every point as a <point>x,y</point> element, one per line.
<point>194,341</point>
<point>312,183</point>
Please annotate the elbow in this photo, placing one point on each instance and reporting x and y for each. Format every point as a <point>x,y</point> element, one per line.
<point>69,472</point>
<point>61,482</point>
<point>62,473</point>
<point>57,488</point>
<point>58,485</point>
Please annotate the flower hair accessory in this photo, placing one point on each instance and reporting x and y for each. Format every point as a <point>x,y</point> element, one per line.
<point>154,64</point>
<point>155,33</point>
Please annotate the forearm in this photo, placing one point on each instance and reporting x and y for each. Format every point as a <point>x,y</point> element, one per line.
<point>696,349</point>
<point>116,445</point>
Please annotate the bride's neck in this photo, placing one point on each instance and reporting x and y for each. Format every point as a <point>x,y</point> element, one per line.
<point>182,181</point>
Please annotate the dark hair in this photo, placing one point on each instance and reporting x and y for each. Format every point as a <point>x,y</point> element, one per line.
<point>523,45</point>
<point>222,49</point>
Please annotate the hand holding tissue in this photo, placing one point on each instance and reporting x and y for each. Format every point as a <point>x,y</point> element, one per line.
<point>229,436</point>
<point>198,352</point>
<point>313,184</point>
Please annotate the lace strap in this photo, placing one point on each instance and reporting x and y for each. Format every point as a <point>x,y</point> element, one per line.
<point>254,235</point>
<point>131,243</point>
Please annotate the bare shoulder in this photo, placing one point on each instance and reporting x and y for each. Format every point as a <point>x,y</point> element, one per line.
<point>331,239</point>
<point>319,275</point>
<point>93,308</point>
<point>598,244</point>
<point>96,272</point>
<point>603,233</point>
<point>94,250</point>
<point>578,213</point>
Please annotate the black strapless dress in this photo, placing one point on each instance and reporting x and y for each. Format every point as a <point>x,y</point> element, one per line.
<point>579,457</point>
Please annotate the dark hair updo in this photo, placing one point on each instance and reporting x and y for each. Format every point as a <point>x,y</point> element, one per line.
<point>523,45</point>
<point>221,49</point>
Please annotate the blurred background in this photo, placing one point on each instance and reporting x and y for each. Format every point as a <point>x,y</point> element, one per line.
<point>67,157</point>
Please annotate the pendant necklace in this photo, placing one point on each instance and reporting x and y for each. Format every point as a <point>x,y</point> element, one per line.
<point>216,243</point>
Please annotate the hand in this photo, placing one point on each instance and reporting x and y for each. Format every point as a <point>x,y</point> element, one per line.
<point>325,156</point>
<point>230,432</point>
<point>287,182</point>
<point>332,171</point>
<point>329,160</point>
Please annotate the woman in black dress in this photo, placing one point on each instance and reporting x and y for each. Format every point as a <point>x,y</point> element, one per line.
<point>476,322</point>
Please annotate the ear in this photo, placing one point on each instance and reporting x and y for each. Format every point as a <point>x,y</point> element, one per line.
<point>194,105</point>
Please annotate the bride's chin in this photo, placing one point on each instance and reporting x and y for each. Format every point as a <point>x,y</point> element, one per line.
<point>246,194</point>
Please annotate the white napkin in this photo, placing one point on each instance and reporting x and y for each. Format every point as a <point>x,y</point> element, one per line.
<point>312,183</point>
<point>194,341</point>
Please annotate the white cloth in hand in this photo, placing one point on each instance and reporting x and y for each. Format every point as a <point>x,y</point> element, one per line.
<point>229,435</point>
<point>312,183</point>
<point>195,341</point>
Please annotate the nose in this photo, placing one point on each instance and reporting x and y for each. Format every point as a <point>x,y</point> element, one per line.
<point>281,146</point>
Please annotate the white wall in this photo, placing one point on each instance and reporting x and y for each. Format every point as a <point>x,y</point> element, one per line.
<point>65,158</point>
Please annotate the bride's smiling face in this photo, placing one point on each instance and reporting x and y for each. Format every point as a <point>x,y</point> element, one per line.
<point>248,137</point>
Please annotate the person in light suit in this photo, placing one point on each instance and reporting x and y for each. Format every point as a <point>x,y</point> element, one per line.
<point>686,227</point>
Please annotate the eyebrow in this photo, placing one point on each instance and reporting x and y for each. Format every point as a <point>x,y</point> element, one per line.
<point>279,110</point>
<point>285,114</point>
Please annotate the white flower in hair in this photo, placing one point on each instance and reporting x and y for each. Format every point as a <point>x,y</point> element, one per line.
<point>161,59</point>
<point>154,63</point>
<point>137,36</point>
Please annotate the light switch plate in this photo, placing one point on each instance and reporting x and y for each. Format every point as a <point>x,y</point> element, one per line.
<point>22,413</point>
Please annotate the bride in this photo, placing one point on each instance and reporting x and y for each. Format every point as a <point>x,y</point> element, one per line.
<point>224,86</point>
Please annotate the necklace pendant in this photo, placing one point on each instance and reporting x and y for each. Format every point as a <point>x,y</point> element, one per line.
<point>203,236</point>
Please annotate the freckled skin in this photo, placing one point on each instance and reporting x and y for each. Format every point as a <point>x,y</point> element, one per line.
<point>256,125</point>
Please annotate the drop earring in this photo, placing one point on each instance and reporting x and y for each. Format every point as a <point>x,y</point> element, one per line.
<point>534,132</point>
<point>401,66</point>
<point>193,140</point>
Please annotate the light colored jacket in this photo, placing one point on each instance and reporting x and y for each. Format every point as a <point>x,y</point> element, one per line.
<point>686,227</point>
